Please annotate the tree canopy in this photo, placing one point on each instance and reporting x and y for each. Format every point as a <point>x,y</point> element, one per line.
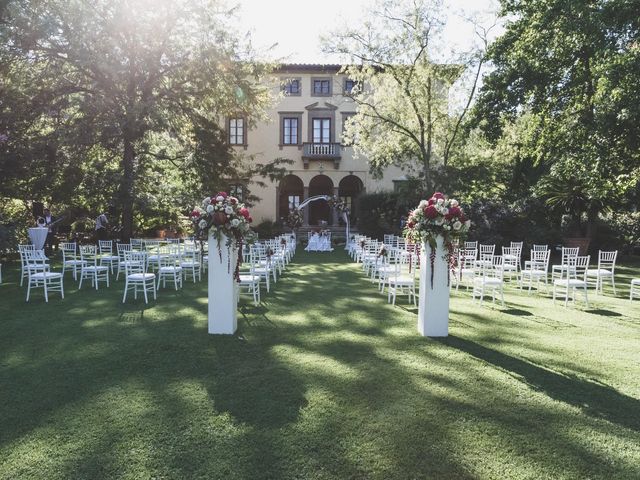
<point>119,96</point>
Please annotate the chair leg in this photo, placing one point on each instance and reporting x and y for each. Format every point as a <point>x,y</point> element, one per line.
<point>126,285</point>
<point>46,293</point>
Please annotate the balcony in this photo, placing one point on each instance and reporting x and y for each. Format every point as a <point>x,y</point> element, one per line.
<point>321,151</point>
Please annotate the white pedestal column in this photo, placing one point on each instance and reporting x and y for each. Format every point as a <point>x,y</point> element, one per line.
<point>222,288</point>
<point>433,309</point>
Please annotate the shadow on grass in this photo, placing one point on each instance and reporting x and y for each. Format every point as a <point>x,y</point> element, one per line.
<point>594,399</point>
<point>604,313</point>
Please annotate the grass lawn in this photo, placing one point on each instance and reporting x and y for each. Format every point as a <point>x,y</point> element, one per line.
<point>324,380</point>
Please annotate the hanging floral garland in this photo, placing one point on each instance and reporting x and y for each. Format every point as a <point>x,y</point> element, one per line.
<point>434,217</point>
<point>223,214</point>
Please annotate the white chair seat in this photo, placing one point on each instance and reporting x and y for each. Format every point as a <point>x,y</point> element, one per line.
<point>572,282</point>
<point>594,272</point>
<point>488,281</point>
<point>140,276</point>
<point>96,268</point>
<point>249,278</point>
<point>111,258</point>
<point>401,281</point>
<point>635,281</point>
<point>46,275</point>
<point>189,264</point>
<point>170,269</point>
<point>510,257</point>
<point>535,273</point>
<point>509,267</point>
<point>75,262</point>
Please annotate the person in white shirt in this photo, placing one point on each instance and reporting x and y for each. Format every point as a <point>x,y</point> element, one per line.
<point>101,226</point>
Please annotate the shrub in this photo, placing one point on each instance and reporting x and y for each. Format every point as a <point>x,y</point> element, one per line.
<point>268,229</point>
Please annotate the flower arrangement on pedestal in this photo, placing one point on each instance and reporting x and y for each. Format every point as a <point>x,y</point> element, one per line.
<point>294,219</point>
<point>338,204</point>
<point>435,217</point>
<point>221,215</point>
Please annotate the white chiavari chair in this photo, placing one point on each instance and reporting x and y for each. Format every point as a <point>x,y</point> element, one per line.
<point>169,268</point>
<point>536,270</point>
<point>70,258</point>
<point>249,280</point>
<point>105,248</point>
<point>136,275</point>
<point>91,269</point>
<point>40,276</point>
<point>573,280</point>
<point>559,271</point>
<point>489,280</point>
<point>606,270</point>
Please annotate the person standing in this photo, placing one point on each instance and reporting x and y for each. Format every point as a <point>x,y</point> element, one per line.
<point>101,226</point>
<point>49,221</point>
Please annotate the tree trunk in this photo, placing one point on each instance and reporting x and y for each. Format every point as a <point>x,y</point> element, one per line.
<point>126,189</point>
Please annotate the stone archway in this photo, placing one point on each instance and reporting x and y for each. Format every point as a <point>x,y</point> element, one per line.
<point>318,211</point>
<point>349,189</point>
<point>290,195</point>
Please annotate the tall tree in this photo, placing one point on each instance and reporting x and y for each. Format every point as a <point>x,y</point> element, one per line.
<point>403,82</point>
<point>574,66</point>
<point>121,74</point>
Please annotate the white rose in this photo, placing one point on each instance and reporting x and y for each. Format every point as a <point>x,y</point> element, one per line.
<point>423,203</point>
<point>219,198</point>
<point>235,222</point>
<point>439,221</point>
<point>457,225</point>
<point>416,212</point>
<point>202,223</point>
<point>228,210</point>
<point>440,201</point>
<point>209,208</point>
<point>207,201</point>
<point>445,211</point>
<point>467,223</point>
<point>454,203</point>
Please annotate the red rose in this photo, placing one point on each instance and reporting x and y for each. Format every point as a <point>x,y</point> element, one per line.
<point>195,213</point>
<point>462,217</point>
<point>431,201</point>
<point>438,196</point>
<point>219,218</point>
<point>244,212</point>
<point>454,212</point>
<point>233,200</point>
<point>249,219</point>
<point>411,225</point>
<point>222,194</point>
<point>430,212</point>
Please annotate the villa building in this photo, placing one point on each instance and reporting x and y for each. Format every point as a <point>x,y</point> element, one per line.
<point>306,126</point>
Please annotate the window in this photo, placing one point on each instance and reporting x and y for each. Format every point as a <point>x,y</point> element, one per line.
<point>294,202</point>
<point>321,86</point>
<point>290,131</point>
<point>321,130</point>
<point>237,191</point>
<point>349,85</point>
<point>291,86</point>
<point>236,131</point>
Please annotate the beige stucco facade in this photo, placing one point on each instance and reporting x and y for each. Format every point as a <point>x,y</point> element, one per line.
<point>322,164</point>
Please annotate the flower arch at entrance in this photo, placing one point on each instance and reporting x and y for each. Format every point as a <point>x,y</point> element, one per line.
<point>335,203</point>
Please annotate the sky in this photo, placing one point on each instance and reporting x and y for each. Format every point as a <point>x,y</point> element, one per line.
<point>295,26</point>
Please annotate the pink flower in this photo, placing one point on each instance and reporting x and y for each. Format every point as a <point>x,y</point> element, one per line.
<point>431,201</point>
<point>438,196</point>
<point>222,194</point>
<point>245,213</point>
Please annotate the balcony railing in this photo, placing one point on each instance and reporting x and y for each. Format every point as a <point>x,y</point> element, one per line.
<point>321,151</point>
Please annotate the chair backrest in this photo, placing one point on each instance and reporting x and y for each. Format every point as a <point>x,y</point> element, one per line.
<point>136,243</point>
<point>135,262</point>
<point>578,266</point>
<point>471,245</point>
<point>484,249</point>
<point>510,255</point>
<point>89,254</point>
<point>539,248</point>
<point>569,252</point>
<point>516,245</point>
<point>69,251</point>
<point>607,260</point>
<point>540,259</point>
<point>121,248</point>
<point>105,246</point>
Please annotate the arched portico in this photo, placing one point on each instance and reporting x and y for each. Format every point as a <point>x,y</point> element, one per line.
<point>290,195</point>
<point>349,189</point>
<point>318,211</point>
